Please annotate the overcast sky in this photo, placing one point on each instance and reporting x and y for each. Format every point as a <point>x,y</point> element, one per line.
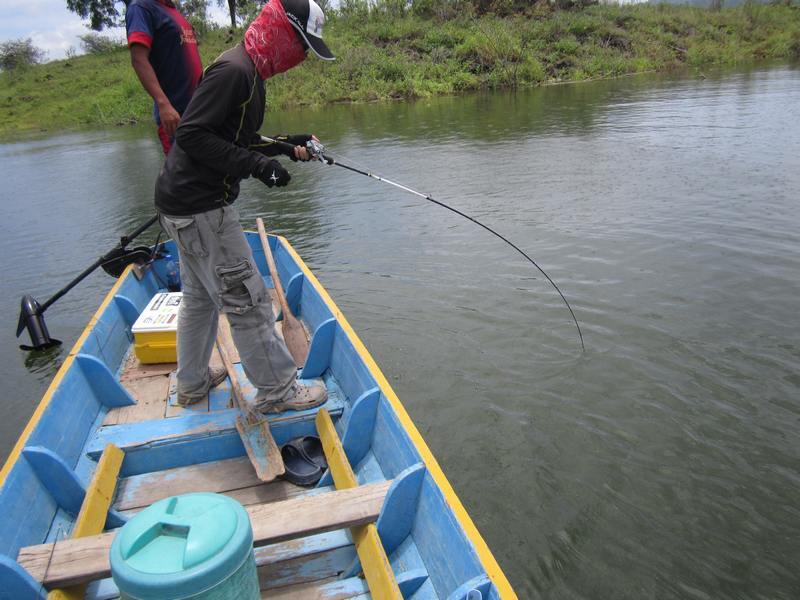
<point>51,26</point>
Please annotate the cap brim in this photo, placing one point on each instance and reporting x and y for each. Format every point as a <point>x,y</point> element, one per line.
<point>315,43</point>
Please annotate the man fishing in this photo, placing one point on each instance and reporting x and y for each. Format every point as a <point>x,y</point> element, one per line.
<point>216,146</point>
<point>164,56</point>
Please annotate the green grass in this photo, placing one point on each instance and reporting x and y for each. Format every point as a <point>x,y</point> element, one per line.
<point>410,57</point>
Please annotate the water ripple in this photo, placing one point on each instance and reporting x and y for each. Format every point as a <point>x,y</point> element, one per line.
<point>662,462</point>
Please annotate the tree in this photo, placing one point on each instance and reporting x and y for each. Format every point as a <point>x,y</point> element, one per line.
<point>243,8</point>
<point>231,10</point>
<point>19,54</point>
<point>196,12</point>
<point>101,13</point>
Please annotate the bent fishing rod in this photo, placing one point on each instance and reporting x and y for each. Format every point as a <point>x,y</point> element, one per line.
<point>317,151</point>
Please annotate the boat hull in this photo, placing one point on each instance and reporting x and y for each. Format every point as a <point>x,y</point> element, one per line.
<point>431,542</point>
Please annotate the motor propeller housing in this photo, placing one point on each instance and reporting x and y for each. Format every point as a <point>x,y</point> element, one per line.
<point>31,317</point>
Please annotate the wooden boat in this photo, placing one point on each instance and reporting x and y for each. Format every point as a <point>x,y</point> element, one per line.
<point>107,441</point>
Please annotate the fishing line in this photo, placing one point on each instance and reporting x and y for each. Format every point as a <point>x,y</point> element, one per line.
<point>318,151</point>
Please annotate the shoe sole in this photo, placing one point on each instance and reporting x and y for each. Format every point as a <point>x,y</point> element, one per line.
<point>189,403</point>
<point>280,407</point>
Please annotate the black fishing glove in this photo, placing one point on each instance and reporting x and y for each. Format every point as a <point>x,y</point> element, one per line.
<point>270,172</point>
<point>299,139</point>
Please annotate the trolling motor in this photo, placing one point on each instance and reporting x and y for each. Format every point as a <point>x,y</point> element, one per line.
<point>113,262</point>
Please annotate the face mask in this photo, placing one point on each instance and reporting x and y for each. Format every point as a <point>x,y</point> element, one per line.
<point>272,43</point>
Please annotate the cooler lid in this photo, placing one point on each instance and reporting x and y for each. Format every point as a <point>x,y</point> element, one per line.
<point>180,546</point>
<point>160,314</point>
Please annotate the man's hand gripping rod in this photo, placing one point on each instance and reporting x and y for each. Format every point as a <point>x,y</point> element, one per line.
<point>314,147</point>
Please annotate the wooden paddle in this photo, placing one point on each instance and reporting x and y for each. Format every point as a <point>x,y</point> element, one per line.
<point>254,430</point>
<point>293,333</point>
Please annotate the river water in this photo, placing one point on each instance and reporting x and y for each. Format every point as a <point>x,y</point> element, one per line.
<point>664,462</point>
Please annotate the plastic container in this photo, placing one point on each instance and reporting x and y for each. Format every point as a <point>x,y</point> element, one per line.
<point>155,331</point>
<point>197,546</point>
<point>173,272</point>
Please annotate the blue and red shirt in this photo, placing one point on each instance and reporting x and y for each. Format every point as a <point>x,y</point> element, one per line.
<point>158,25</point>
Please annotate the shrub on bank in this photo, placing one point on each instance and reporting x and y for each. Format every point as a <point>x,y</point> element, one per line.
<point>19,54</point>
<point>94,43</point>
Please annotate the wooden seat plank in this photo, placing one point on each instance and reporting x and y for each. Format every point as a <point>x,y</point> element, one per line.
<point>75,561</point>
<point>192,425</point>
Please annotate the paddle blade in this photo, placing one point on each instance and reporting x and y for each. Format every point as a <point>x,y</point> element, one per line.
<point>261,448</point>
<point>295,337</point>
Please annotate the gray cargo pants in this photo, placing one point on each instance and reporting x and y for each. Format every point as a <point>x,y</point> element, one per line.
<point>219,274</point>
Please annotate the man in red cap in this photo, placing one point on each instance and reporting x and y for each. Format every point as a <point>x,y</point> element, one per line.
<point>216,146</point>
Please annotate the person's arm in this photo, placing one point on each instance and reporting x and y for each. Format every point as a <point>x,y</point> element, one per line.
<point>140,60</point>
<point>224,90</point>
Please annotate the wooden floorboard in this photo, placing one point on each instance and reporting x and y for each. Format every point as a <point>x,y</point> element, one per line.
<point>301,592</point>
<point>234,477</point>
<point>146,384</point>
<point>331,588</point>
<point>173,408</point>
<point>151,401</point>
<point>263,493</point>
<point>218,476</point>
<point>305,569</point>
<point>150,394</point>
<point>134,370</point>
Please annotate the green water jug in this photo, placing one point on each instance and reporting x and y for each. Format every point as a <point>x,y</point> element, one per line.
<point>197,546</point>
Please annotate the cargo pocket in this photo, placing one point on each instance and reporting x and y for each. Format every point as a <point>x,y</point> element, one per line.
<point>185,232</point>
<point>241,287</point>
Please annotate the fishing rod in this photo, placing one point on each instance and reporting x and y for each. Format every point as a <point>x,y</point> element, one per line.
<point>113,262</point>
<point>317,151</point>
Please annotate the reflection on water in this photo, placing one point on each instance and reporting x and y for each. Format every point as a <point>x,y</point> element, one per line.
<point>45,363</point>
<point>660,463</point>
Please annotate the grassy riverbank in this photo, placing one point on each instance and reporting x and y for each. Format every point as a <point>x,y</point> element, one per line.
<point>410,57</point>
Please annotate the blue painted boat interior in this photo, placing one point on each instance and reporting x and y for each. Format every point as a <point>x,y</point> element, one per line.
<point>431,555</point>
